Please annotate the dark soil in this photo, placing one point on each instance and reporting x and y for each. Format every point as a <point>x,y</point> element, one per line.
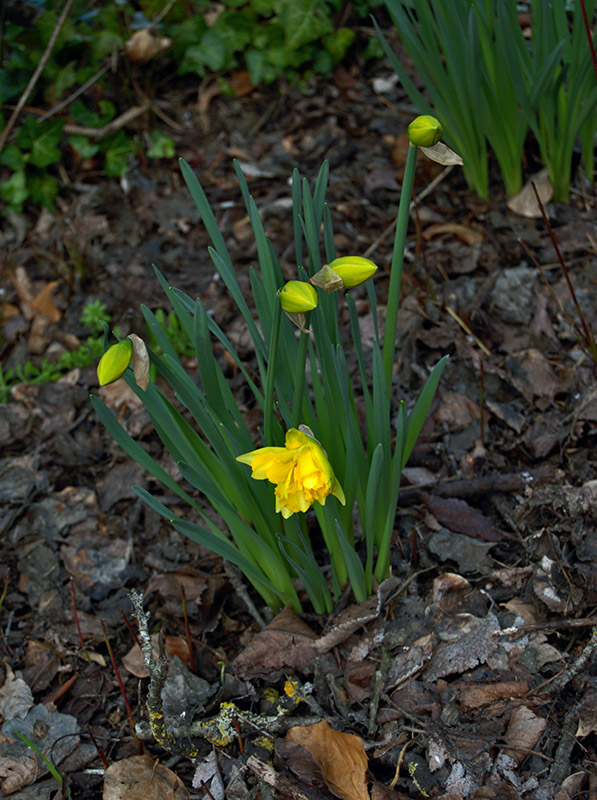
<point>471,675</point>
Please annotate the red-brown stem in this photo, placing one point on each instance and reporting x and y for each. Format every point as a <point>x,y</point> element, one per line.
<point>132,631</point>
<point>588,334</point>
<point>187,628</point>
<point>206,790</point>
<point>77,623</point>
<point>585,19</point>
<point>100,752</point>
<point>241,746</point>
<point>129,713</point>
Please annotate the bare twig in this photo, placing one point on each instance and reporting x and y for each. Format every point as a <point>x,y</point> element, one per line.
<point>115,125</point>
<point>426,191</point>
<point>584,660</point>
<point>68,100</point>
<point>36,75</point>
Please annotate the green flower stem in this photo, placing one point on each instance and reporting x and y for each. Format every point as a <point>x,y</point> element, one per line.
<point>299,379</point>
<point>271,375</point>
<point>389,339</point>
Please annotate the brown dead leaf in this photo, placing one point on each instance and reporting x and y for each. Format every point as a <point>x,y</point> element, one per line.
<point>460,517</point>
<point>286,644</point>
<point>525,203</point>
<point>16,697</point>
<point>17,772</point>
<point>457,411</point>
<point>142,778</point>
<point>587,717</point>
<point>294,757</point>
<point>470,643</point>
<point>476,695</point>
<point>240,83</point>
<point>134,662</point>
<point>524,731</point>
<point>340,756</point>
<point>44,304</point>
<point>464,232</point>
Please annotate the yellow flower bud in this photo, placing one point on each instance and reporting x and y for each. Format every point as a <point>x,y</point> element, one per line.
<point>353,270</point>
<point>425,131</point>
<point>113,363</point>
<point>298,297</point>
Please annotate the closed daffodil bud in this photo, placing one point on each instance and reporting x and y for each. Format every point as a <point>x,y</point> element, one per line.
<point>353,270</point>
<point>425,131</point>
<point>113,363</point>
<point>298,297</point>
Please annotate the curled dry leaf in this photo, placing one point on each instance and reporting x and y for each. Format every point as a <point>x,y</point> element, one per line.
<point>467,234</point>
<point>524,731</point>
<point>144,45</point>
<point>442,154</point>
<point>525,203</point>
<point>340,756</point>
<point>140,361</point>
<point>16,697</point>
<point>141,778</point>
<point>286,644</point>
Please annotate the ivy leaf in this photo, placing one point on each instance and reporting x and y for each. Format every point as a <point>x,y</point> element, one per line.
<point>304,21</point>
<point>161,146</point>
<point>12,158</point>
<point>43,189</point>
<point>41,140</point>
<point>14,191</point>
<point>118,149</point>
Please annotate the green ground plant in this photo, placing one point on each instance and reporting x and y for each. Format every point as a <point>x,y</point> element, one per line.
<point>501,85</point>
<point>94,315</point>
<point>313,450</point>
<point>272,39</point>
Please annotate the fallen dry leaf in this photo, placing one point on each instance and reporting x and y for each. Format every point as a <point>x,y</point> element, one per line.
<point>340,756</point>
<point>44,304</point>
<point>142,778</point>
<point>524,731</point>
<point>471,695</point>
<point>134,662</point>
<point>525,203</point>
<point>460,517</point>
<point>286,644</point>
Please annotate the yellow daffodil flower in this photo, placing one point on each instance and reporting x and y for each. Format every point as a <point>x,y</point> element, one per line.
<point>298,297</point>
<point>425,131</point>
<point>112,365</point>
<point>300,470</point>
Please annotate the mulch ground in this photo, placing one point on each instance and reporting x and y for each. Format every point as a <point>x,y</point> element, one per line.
<point>471,673</point>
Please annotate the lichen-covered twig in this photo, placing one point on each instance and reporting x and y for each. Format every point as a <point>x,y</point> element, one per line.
<point>219,730</point>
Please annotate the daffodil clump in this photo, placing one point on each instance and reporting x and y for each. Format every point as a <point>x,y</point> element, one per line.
<point>310,463</point>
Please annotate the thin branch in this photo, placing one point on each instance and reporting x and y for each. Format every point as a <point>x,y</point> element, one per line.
<point>36,75</point>
<point>68,100</point>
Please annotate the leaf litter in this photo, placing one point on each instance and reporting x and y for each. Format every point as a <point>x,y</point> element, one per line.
<point>471,673</point>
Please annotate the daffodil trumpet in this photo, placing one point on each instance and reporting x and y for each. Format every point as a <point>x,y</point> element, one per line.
<point>300,472</point>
